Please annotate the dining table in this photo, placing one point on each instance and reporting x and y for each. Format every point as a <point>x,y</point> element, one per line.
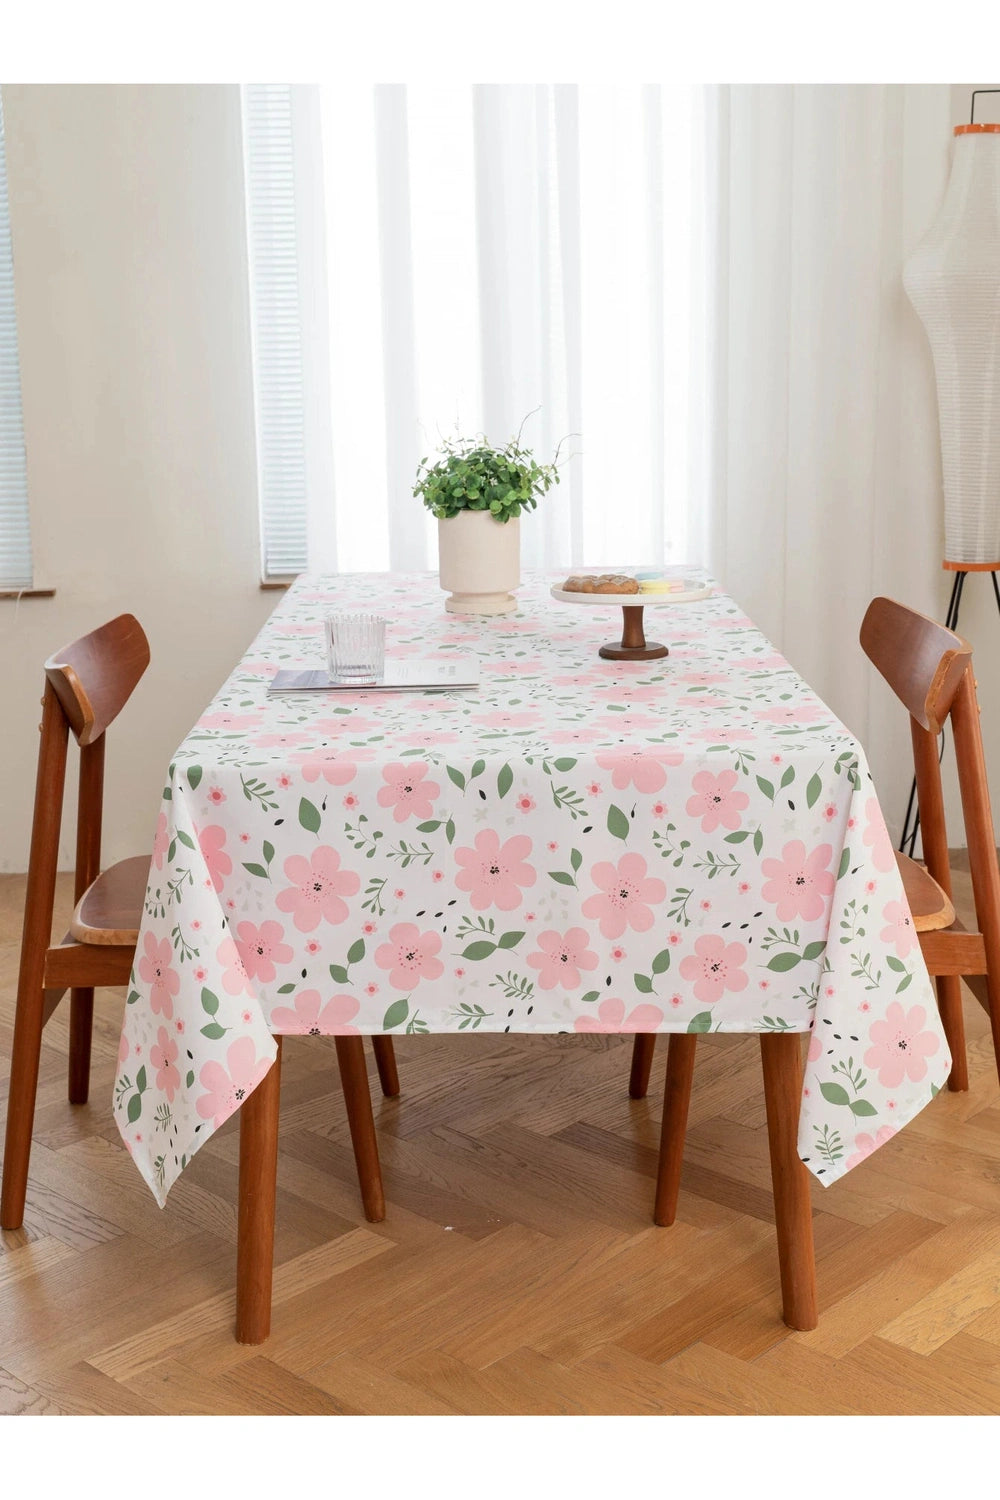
<point>691,843</point>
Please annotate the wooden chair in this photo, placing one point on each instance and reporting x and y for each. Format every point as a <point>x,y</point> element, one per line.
<point>86,686</point>
<point>929,668</point>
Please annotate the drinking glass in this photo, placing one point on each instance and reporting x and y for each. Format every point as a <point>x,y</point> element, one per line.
<point>355,647</point>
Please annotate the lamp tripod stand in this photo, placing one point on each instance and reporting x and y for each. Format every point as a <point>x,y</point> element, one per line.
<point>908,842</point>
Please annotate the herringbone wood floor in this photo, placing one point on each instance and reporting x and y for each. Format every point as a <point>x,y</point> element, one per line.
<point>518,1270</point>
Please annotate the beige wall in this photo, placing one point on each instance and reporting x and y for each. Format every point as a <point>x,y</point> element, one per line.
<point>129,248</point>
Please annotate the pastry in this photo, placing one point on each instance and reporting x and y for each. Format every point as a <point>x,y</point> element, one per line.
<point>601,583</point>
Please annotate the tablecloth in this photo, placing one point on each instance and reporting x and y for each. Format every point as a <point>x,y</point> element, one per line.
<point>689,844</point>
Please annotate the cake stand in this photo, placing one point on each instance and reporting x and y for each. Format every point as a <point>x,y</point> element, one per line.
<point>633,645</point>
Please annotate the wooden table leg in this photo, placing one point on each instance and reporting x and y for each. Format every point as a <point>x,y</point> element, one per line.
<point>781,1059</point>
<point>358,1099</point>
<point>642,1061</point>
<point>385,1061</point>
<point>258,1183</point>
<point>949,995</point>
<point>676,1098</point>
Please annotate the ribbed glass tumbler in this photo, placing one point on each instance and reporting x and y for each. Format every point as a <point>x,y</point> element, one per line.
<point>355,647</point>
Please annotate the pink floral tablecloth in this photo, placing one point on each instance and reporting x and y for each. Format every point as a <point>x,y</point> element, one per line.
<point>692,844</point>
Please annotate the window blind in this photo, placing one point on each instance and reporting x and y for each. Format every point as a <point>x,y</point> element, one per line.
<point>276,320</point>
<point>15,532</point>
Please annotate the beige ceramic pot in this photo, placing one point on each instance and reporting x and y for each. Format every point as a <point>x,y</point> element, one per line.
<point>479,562</point>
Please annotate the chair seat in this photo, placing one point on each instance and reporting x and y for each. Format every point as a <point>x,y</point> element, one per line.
<point>929,907</point>
<point>110,911</point>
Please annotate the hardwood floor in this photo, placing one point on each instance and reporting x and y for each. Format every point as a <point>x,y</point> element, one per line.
<point>518,1270</point>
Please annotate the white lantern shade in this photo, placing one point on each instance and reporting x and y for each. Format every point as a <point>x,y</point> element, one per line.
<point>953,281</point>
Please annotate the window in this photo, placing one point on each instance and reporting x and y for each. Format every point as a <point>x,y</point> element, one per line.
<point>276,321</point>
<point>15,532</point>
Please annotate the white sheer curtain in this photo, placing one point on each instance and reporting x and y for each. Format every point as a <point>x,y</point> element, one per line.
<point>492,251</point>
<point>825,484</point>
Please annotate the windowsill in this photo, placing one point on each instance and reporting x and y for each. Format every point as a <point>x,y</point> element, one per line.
<point>27,593</point>
<point>276,583</point>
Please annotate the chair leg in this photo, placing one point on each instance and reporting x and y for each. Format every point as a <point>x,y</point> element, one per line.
<point>949,995</point>
<point>258,1185</point>
<point>358,1099</point>
<point>81,1021</point>
<point>781,1059</point>
<point>642,1061</point>
<point>676,1098</point>
<point>385,1061</point>
<point>25,1055</point>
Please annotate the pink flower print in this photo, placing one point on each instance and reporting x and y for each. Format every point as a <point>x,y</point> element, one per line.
<point>618,953</point>
<point>200,974</point>
<point>716,800</point>
<point>337,767</point>
<point>371,989</point>
<point>216,795</point>
<point>594,788</point>
<point>714,967</point>
<point>284,781</point>
<point>279,740</point>
<point>798,883</point>
<point>830,812</point>
<point>261,948</point>
<point>317,888</point>
<point>161,841</point>
<point>642,768</point>
<point>235,979</point>
<point>310,1017</point>
<point>350,802</point>
<point>815,1046</point>
<point>493,872</point>
<point>426,739</point>
<point>226,720</point>
<point>212,841</point>
<point>525,803</point>
<point>877,837</point>
<point>227,1087</point>
<point>579,736</point>
<point>900,1046</point>
<point>559,958</point>
<point>704,679</point>
<point>163,1055</point>
<point>406,791</point>
<point>865,1144</point>
<point>410,955</point>
<point>123,1049</point>
<point>366,927</point>
<point>625,889</point>
<point>611,1017</point>
<point>155,970</point>
<point>508,718</point>
<point>900,929</point>
<point>794,713</point>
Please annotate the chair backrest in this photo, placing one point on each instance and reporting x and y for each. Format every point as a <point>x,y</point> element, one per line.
<point>86,686</point>
<point>94,677</point>
<point>929,668</point>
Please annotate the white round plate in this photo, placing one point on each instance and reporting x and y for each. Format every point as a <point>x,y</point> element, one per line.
<point>692,590</point>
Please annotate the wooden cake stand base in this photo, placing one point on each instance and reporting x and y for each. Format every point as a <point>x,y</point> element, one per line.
<point>633,645</point>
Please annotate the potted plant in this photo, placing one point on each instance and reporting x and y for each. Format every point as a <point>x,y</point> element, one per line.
<point>478,492</point>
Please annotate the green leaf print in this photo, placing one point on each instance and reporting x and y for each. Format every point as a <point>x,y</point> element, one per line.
<point>575,859</point>
<point>194,776</point>
<point>505,780</point>
<point>509,939</point>
<point>661,963</point>
<point>862,1107</point>
<point>590,997</point>
<point>396,1014</point>
<point>479,950</point>
<point>701,1022</point>
<point>134,1109</point>
<point>285,989</point>
<point>813,789</point>
<point>845,864</point>
<point>257,870</point>
<point>214,1031</point>
<point>766,788</point>
<point>618,824</point>
<point>643,984</point>
<point>457,777</point>
<point>561,878</point>
<point>782,962</point>
<point>356,952</point>
<point>309,815</point>
<point>833,1093</point>
<point>209,1002</point>
<point>339,974</point>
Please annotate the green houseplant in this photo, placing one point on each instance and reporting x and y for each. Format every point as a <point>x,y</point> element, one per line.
<point>477,492</point>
